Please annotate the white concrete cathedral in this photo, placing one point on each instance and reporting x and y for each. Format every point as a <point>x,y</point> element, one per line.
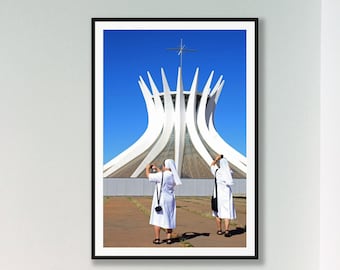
<point>181,127</point>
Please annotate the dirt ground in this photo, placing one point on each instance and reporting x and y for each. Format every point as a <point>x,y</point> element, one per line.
<point>126,223</point>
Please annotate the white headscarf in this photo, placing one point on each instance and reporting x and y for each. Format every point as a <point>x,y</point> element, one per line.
<point>169,163</point>
<point>225,172</point>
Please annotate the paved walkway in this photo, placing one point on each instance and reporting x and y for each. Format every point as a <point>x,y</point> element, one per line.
<point>126,223</point>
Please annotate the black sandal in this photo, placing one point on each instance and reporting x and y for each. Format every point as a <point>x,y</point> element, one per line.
<point>227,234</point>
<point>157,241</point>
<point>219,232</point>
<point>169,241</point>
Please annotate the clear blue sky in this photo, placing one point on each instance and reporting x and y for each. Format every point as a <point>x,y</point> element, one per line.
<point>130,54</point>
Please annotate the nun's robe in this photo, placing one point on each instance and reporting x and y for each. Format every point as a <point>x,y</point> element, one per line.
<point>225,202</point>
<point>167,217</point>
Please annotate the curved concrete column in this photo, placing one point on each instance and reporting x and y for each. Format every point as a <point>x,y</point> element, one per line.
<point>191,120</point>
<point>150,135</point>
<point>164,117</point>
<point>236,158</point>
<point>167,125</point>
<point>205,113</point>
<point>180,122</point>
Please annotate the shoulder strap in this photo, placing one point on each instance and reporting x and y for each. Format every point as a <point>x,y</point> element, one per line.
<point>216,183</point>
<point>160,191</point>
<point>215,174</point>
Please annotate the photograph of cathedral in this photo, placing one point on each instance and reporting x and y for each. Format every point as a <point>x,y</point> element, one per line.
<point>183,90</point>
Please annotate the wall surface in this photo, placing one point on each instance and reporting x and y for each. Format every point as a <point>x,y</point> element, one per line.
<point>330,134</point>
<point>190,187</point>
<point>45,116</point>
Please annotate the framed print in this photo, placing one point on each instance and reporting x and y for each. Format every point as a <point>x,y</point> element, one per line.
<point>174,126</point>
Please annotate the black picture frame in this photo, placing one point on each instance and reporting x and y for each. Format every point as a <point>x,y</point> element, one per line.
<point>138,25</point>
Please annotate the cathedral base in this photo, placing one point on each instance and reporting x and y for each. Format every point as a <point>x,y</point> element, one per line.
<point>142,187</point>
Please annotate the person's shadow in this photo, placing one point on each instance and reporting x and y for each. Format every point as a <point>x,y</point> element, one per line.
<point>237,231</point>
<point>188,235</point>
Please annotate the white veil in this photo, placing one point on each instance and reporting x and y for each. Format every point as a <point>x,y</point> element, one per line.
<point>169,163</point>
<point>225,172</point>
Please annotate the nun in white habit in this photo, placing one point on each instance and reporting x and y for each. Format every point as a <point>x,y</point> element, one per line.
<point>225,203</point>
<point>165,181</point>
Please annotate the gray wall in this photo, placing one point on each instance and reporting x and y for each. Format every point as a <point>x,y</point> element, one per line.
<point>329,137</point>
<point>45,116</point>
<point>142,187</point>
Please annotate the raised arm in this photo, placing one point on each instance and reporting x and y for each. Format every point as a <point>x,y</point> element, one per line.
<point>147,170</point>
<point>151,168</point>
<point>217,158</point>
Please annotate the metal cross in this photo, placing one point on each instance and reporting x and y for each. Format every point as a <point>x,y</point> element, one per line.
<point>180,51</point>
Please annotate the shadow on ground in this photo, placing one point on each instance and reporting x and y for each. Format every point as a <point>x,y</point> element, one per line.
<point>188,235</point>
<point>237,231</point>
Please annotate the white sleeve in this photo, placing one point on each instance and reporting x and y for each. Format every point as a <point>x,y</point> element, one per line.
<point>155,177</point>
<point>213,169</point>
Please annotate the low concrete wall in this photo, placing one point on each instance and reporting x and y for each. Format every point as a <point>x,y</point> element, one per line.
<point>142,187</point>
